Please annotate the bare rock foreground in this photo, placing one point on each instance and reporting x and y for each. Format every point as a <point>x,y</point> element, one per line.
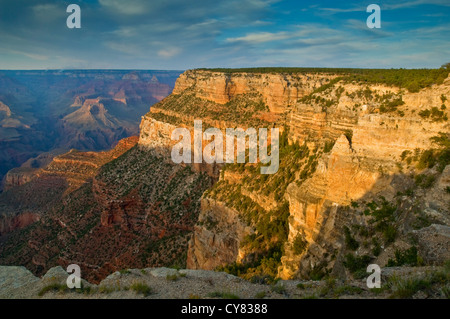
<point>167,283</point>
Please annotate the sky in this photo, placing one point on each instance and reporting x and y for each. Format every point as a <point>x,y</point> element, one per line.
<point>186,34</point>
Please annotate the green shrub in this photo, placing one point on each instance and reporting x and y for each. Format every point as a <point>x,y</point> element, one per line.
<point>427,160</point>
<point>260,295</point>
<point>349,135</point>
<point>53,288</point>
<point>376,250</point>
<point>406,288</point>
<point>328,146</point>
<point>106,289</point>
<point>347,290</point>
<point>384,218</point>
<point>278,288</point>
<point>434,113</point>
<point>358,263</point>
<point>173,277</point>
<point>350,242</point>
<point>391,106</point>
<point>301,286</point>
<point>389,234</point>
<point>405,154</point>
<point>124,271</point>
<point>446,291</point>
<point>408,257</point>
<point>425,113</point>
<point>318,272</point>
<point>424,181</point>
<point>142,288</point>
<point>299,245</point>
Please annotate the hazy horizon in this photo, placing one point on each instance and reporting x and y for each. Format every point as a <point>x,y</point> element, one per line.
<point>253,67</point>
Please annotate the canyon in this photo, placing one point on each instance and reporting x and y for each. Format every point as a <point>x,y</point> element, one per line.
<point>44,113</point>
<point>363,179</point>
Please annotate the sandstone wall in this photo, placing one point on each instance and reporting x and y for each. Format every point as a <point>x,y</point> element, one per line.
<point>278,90</point>
<point>361,166</point>
<point>217,236</point>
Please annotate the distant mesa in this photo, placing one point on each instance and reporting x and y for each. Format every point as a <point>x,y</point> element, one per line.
<point>79,100</point>
<point>5,111</point>
<point>131,76</point>
<point>90,102</point>
<point>8,122</point>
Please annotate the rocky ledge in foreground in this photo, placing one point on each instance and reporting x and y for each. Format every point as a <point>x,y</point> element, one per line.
<point>166,283</point>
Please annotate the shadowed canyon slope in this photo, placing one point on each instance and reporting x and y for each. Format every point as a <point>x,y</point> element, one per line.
<point>363,178</point>
<point>44,188</point>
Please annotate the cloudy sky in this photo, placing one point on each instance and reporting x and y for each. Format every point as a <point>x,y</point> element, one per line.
<point>183,34</point>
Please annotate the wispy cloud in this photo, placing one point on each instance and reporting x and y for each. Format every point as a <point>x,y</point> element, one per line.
<point>410,4</point>
<point>129,7</point>
<point>177,34</point>
<point>386,6</point>
<point>169,53</point>
<point>260,37</point>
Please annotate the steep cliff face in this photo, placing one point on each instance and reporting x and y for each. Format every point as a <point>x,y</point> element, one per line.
<point>384,135</point>
<point>365,164</point>
<point>221,227</point>
<point>359,138</point>
<point>18,176</point>
<point>279,91</point>
<point>32,192</point>
<point>317,207</point>
<point>217,236</point>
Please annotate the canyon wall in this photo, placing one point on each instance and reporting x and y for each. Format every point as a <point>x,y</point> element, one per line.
<point>359,167</point>
<point>365,161</point>
<point>278,90</point>
<point>217,236</point>
<point>348,151</point>
<point>30,192</point>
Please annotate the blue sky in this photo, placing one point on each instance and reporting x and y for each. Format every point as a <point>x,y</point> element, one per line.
<point>183,34</point>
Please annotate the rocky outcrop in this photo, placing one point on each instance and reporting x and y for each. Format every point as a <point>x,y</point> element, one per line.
<point>217,236</point>
<point>156,135</point>
<point>32,192</point>
<point>10,223</point>
<point>319,207</point>
<point>77,167</point>
<point>434,243</point>
<point>28,170</point>
<point>18,176</point>
<point>5,111</point>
